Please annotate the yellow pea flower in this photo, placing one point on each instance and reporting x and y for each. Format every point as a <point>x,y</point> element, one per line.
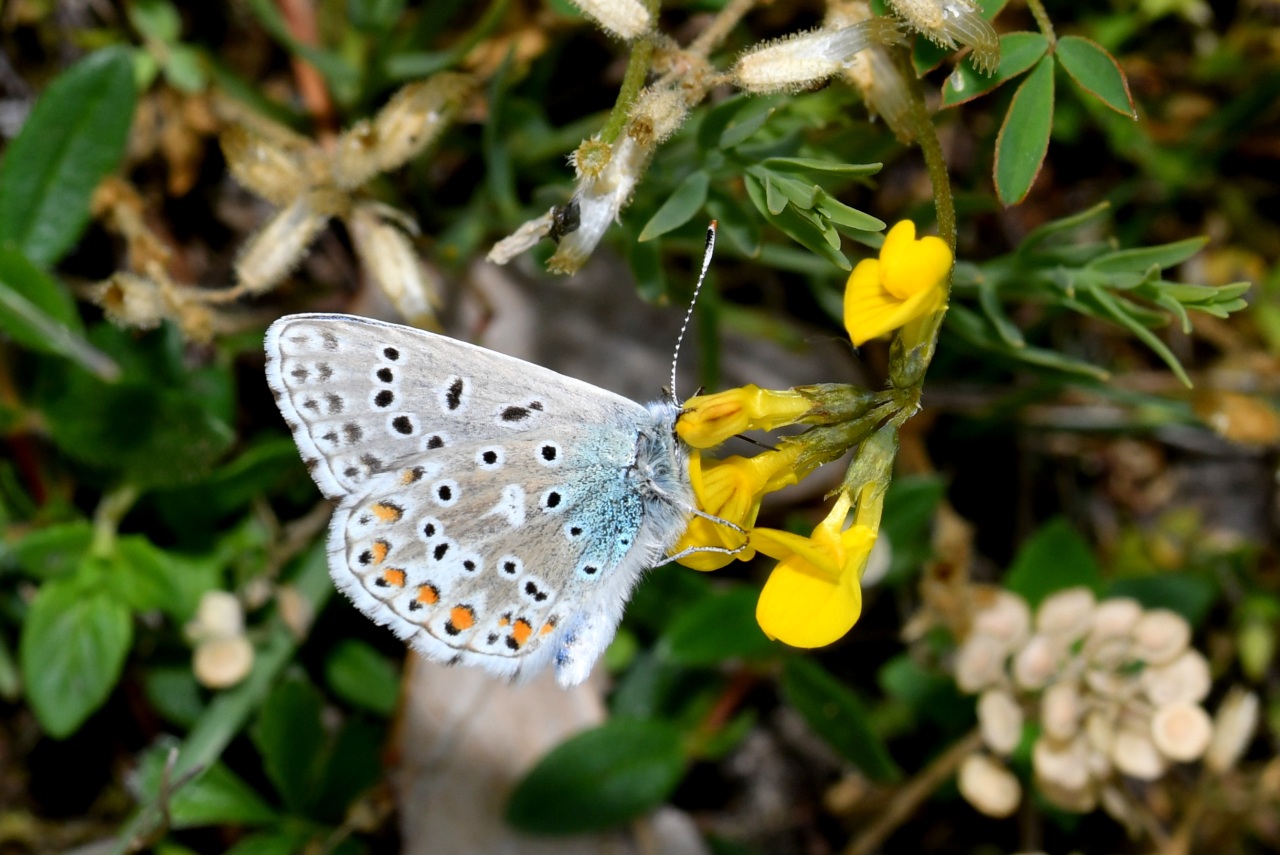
<point>731,489</point>
<point>907,282</point>
<point>814,595</point>
<point>709,420</point>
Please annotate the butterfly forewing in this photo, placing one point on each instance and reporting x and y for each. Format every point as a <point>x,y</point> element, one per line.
<point>360,394</point>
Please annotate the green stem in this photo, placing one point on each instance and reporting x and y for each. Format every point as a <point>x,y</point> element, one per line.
<point>1042,20</point>
<point>632,83</point>
<point>112,508</point>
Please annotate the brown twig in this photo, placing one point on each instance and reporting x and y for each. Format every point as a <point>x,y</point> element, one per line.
<point>912,794</point>
<point>300,18</point>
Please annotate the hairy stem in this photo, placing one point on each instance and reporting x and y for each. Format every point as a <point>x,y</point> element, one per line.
<point>1042,20</point>
<point>632,83</point>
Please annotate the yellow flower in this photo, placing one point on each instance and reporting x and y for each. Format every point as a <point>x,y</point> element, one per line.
<point>909,281</point>
<point>731,489</point>
<point>709,420</point>
<point>814,596</point>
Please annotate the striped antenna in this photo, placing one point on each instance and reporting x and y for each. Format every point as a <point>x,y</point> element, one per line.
<point>708,249</point>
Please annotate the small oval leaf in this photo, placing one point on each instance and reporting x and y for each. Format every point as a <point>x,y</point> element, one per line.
<point>679,208</point>
<point>1024,137</point>
<point>1096,72</point>
<point>1018,52</point>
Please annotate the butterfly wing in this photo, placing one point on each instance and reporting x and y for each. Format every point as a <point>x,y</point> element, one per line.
<point>359,394</point>
<point>492,511</point>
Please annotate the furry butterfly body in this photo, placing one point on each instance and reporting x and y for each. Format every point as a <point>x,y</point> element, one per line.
<point>490,511</point>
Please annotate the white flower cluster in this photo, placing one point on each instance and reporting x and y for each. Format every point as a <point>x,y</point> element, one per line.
<point>1116,691</point>
<point>223,655</point>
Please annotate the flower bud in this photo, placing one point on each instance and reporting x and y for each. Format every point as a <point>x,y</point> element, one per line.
<point>1006,619</point>
<point>273,253</point>
<point>278,170</point>
<point>1233,729</point>
<point>989,786</point>
<point>626,19</point>
<point>708,420</point>
<point>1159,636</point>
<point>1066,615</point>
<point>979,663</point>
<point>1114,618</point>
<point>1060,710</point>
<point>1135,753</point>
<point>130,300</point>
<point>1037,662</point>
<point>1000,720</point>
<point>394,264</point>
<point>1181,731</point>
<point>218,615</point>
<point>220,663</point>
<point>804,59</point>
<point>1185,679</point>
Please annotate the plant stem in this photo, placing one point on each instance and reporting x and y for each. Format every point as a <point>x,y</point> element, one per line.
<point>632,83</point>
<point>1042,20</point>
<point>112,508</point>
<point>912,795</point>
<point>720,26</point>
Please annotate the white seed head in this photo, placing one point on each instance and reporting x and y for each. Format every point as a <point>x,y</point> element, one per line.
<point>626,19</point>
<point>989,786</point>
<point>1000,720</point>
<point>1233,729</point>
<point>979,663</point>
<point>1066,615</point>
<point>1134,753</point>
<point>1159,636</point>
<point>1061,708</point>
<point>1186,678</point>
<point>1181,731</point>
<point>274,169</point>
<point>220,663</point>
<point>393,263</point>
<point>656,115</point>
<point>805,59</point>
<point>218,615</point>
<point>1037,662</point>
<point>1114,618</point>
<point>1007,619</point>
<point>1064,763</point>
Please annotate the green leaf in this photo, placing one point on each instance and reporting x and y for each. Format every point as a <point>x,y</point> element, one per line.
<point>989,301</point>
<point>174,693</point>
<point>37,312</point>
<point>351,766</point>
<point>156,19</point>
<point>1096,72</point>
<point>74,643</point>
<point>599,778</point>
<point>288,840</point>
<point>374,16</point>
<point>680,207</point>
<point>928,695</point>
<point>1018,52</point>
<point>290,737</point>
<point>1144,258</point>
<point>805,165</point>
<point>53,552</point>
<point>363,677</point>
<point>1191,595</point>
<point>340,73</point>
<point>736,223</point>
<point>974,329</point>
<point>1124,315</point>
<point>146,577</point>
<point>835,713</point>
<point>1023,140</point>
<point>218,797</point>
<point>645,260</point>
<point>799,229</point>
<point>75,135</point>
<point>842,215</point>
<point>1054,558</point>
<point>909,506</point>
<point>720,627</point>
<point>744,123</point>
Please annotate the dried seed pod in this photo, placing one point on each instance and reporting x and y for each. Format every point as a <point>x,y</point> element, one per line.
<point>1181,731</point>
<point>1000,720</point>
<point>130,300</point>
<point>989,786</point>
<point>804,59</point>
<point>1159,636</point>
<point>598,202</point>
<point>220,663</point>
<point>1037,662</point>
<point>627,19</point>
<point>1061,708</point>
<point>1007,619</point>
<point>413,118</point>
<point>979,663</point>
<point>524,238</point>
<point>1186,678</point>
<point>386,252</point>
<point>1233,729</point>
<point>1066,615</point>
<point>271,254</point>
<point>1135,754</point>
<point>268,168</point>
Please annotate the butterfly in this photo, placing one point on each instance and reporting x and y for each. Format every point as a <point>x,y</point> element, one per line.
<point>489,511</point>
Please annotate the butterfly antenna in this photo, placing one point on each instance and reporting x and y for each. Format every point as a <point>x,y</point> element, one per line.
<point>707,251</point>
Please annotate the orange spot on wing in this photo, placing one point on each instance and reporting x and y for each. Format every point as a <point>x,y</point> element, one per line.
<point>547,627</point>
<point>506,619</point>
<point>394,576</point>
<point>521,631</point>
<point>380,550</point>
<point>428,595</point>
<point>387,513</point>
<point>462,617</point>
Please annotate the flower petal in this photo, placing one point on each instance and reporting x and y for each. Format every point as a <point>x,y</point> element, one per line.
<point>804,608</point>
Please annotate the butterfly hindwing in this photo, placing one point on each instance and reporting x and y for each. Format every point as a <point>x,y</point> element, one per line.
<point>360,394</point>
